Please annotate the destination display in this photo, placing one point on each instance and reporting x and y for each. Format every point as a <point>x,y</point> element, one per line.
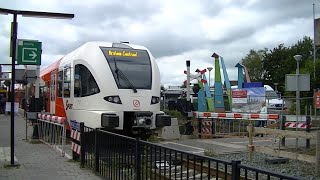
<point>122,53</point>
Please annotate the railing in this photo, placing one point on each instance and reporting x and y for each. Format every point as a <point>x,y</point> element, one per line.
<point>52,131</point>
<point>115,156</point>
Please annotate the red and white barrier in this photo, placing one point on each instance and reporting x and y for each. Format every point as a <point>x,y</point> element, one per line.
<point>299,125</point>
<point>75,135</point>
<point>206,127</point>
<point>235,116</point>
<point>75,147</point>
<point>52,131</point>
<point>51,118</point>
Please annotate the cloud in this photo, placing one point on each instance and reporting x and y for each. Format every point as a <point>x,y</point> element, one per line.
<point>174,31</point>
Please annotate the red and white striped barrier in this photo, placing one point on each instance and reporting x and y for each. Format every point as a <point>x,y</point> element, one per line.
<point>235,116</point>
<point>51,118</point>
<point>75,147</point>
<point>52,131</point>
<point>299,125</point>
<point>75,135</point>
<point>207,123</point>
<point>206,127</point>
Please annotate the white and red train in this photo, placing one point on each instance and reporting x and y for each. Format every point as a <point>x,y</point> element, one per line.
<point>115,86</point>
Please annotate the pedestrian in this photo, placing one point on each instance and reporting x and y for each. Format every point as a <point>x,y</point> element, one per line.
<point>263,110</point>
<point>2,104</point>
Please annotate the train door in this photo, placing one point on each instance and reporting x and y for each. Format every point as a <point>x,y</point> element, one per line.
<point>53,93</point>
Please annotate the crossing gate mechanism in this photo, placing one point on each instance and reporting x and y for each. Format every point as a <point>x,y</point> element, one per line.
<point>52,131</point>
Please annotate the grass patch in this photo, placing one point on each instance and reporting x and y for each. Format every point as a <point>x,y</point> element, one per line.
<point>210,152</point>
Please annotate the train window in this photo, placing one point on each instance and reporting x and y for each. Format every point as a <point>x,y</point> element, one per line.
<point>67,82</point>
<point>60,82</point>
<point>131,68</point>
<point>84,82</point>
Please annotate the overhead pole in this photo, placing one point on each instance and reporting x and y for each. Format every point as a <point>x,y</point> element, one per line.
<point>13,52</point>
<point>314,47</point>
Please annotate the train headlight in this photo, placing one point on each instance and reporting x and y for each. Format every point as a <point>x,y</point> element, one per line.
<point>155,100</point>
<point>113,99</point>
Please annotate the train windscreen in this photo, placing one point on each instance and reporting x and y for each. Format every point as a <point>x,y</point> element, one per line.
<point>131,68</point>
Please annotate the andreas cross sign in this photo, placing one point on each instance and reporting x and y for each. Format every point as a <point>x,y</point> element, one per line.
<point>29,52</point>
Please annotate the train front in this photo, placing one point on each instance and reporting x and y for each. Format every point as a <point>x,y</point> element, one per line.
<point>133,96</point>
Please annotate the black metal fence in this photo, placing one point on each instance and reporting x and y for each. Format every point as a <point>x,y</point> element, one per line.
<point>114,157</point>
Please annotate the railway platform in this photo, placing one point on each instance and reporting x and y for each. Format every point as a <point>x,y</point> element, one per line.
<point>35,160</point>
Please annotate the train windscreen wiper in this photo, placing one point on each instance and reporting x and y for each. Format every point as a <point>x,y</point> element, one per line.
<point>122,76</point>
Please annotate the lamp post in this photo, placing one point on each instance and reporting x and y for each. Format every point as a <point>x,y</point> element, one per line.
<point>298,59</point>
<point>209,69</point>
<point>14,35</point>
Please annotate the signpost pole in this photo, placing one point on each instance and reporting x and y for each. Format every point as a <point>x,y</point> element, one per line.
<point>13,69</point>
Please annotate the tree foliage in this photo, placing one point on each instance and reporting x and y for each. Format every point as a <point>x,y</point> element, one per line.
<point>271,66</point>
<point>253,62</point>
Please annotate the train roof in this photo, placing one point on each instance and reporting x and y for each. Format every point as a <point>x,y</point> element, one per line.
<point>82,48</point>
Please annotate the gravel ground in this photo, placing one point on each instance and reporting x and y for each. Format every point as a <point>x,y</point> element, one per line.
<point>296,168</point>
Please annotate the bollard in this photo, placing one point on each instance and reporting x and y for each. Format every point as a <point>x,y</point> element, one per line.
<point>308,118</point>
<point>199,128</point>
<point>250,145</point>
<point>283,127</point>
<point>97,149</point>
<point>82,144</point>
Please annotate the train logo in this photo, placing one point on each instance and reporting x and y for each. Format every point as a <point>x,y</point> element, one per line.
<point>136,103</point>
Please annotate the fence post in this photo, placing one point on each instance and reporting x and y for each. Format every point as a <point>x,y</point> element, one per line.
<point>96,149</point>
<point>283,127</point>
<point>308,130</point>
<point>250,146</point>
<point>82,144</point>
<point>318,154</point>
<point>138,159</point>
<point>235,170</point>
<point>213,131</point>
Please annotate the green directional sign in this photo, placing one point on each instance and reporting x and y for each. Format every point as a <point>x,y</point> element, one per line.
<point>29,52</point>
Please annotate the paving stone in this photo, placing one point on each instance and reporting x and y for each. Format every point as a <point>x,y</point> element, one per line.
<point>37,161</point>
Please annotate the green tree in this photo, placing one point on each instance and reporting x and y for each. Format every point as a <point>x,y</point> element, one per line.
<point>253,63</point>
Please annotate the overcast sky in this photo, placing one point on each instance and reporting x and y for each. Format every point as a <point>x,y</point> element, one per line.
<point>173,30</point>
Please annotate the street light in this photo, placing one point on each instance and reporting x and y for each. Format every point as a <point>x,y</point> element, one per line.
<point>298,59</point>
<point>14,35</point>
<point>209,69</point>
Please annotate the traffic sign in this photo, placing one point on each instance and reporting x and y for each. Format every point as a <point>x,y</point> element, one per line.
<point>29,52</point>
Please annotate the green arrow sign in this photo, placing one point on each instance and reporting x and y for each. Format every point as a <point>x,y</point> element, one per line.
<point>29,52</point>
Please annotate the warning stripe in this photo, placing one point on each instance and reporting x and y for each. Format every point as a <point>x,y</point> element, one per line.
<point>207,123</point>
<point>75,147</point>
<point>51,118</point>
<point>296,125</point>
<point>206,130</point>
<point>235,115</point>
<point>75,135</point>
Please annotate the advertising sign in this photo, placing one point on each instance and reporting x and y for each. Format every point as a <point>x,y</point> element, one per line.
<point>251,104</point>
<point>317,100</point>
<point>239,96</point>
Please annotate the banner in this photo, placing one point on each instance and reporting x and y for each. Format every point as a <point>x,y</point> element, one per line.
<point>252,103</point>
